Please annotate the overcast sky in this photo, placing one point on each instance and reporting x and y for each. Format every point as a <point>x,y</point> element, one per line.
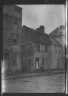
<point>51,16</point>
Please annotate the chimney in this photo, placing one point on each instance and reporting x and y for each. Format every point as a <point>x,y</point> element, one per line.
<point>41,29</point>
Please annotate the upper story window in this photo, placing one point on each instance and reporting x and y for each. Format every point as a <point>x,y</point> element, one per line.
<point>14,28</point>
<point>14,41</point>
<point>60,51</point>
<point>46,59</point>
<point>46,48</point>
<point>14,56</point>
<point>13,38</point>
<point>55,49</point>
<point>38,47</point>
<point>60,33</point>
<point>15,20</point>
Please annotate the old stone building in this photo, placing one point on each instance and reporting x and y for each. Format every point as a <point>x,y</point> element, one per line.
<point>56,55</point>
<point>25,48</point>
<point>38,51</point>
<point>12,24</point>
<point>60,35</point>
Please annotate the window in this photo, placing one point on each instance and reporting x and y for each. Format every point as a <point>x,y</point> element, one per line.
<point>46,59</point>
<point>13,38</point>
<point>10,19</point>
<point>60,33</point>
<point>14,28</point>
<point>58,62</point>
<point>43,61</point>
<point>15,20</point>
<point>6,57</point>
<point>38,48</point>
<point>60,51</point>
<point>14,41</point>
<point>46,48</point>
<point>14,56</point>
<point>55,49</point>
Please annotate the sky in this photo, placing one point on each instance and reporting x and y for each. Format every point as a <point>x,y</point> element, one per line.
<point>51,16</point>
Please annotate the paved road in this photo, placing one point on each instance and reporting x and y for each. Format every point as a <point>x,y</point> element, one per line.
<point>40,84</point>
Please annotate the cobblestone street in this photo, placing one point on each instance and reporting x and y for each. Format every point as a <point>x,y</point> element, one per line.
<point>54,83</point>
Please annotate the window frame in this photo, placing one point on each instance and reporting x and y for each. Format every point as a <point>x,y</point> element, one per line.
<point>14,59</point>
<point>15,20</point>
<point>55,49</point>
<point>38,47</point>
<point>60,33</point>
<point>46,48</point>
<point>13,38</point>
<point>46,59</point>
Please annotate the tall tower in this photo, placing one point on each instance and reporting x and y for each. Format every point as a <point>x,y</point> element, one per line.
<point>12,24</point>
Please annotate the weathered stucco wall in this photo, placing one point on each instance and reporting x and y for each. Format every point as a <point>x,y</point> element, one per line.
<point>56,54</point>
<point>12,24</point>
<point>40,55</point>
<point>51,57</point>
<point>27,57</point>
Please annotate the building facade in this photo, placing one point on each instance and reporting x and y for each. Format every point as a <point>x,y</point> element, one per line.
<point>56,55</point>
<point>60,35</point>
<point>12,24</point>
<point>25,48</point>
<point>38,50</point>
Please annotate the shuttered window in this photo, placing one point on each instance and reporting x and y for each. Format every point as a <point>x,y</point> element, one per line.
<point>46,48</point>
<point>14,56</point>
<point>55,49</point>
<point>13,38</point>
<point>38,48</point>
<point>14,20</point>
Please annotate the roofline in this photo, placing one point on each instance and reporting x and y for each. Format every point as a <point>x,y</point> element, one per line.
<point>55,35</point>
<point>53,31</point>
<point>57,28</point>
<point>18,6</point>
<point>26,43</point>
<point>57,42</point>
<point>40,33</point>
<point>34,30</point>
<point>40,43</point>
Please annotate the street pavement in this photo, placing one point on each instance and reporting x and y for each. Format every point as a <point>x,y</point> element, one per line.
<point>54,83</point>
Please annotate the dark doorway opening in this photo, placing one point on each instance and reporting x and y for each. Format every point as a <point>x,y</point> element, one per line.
<point>37,63</point>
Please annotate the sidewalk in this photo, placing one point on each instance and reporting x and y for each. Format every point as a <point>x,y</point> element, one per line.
<point>27,75</point>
